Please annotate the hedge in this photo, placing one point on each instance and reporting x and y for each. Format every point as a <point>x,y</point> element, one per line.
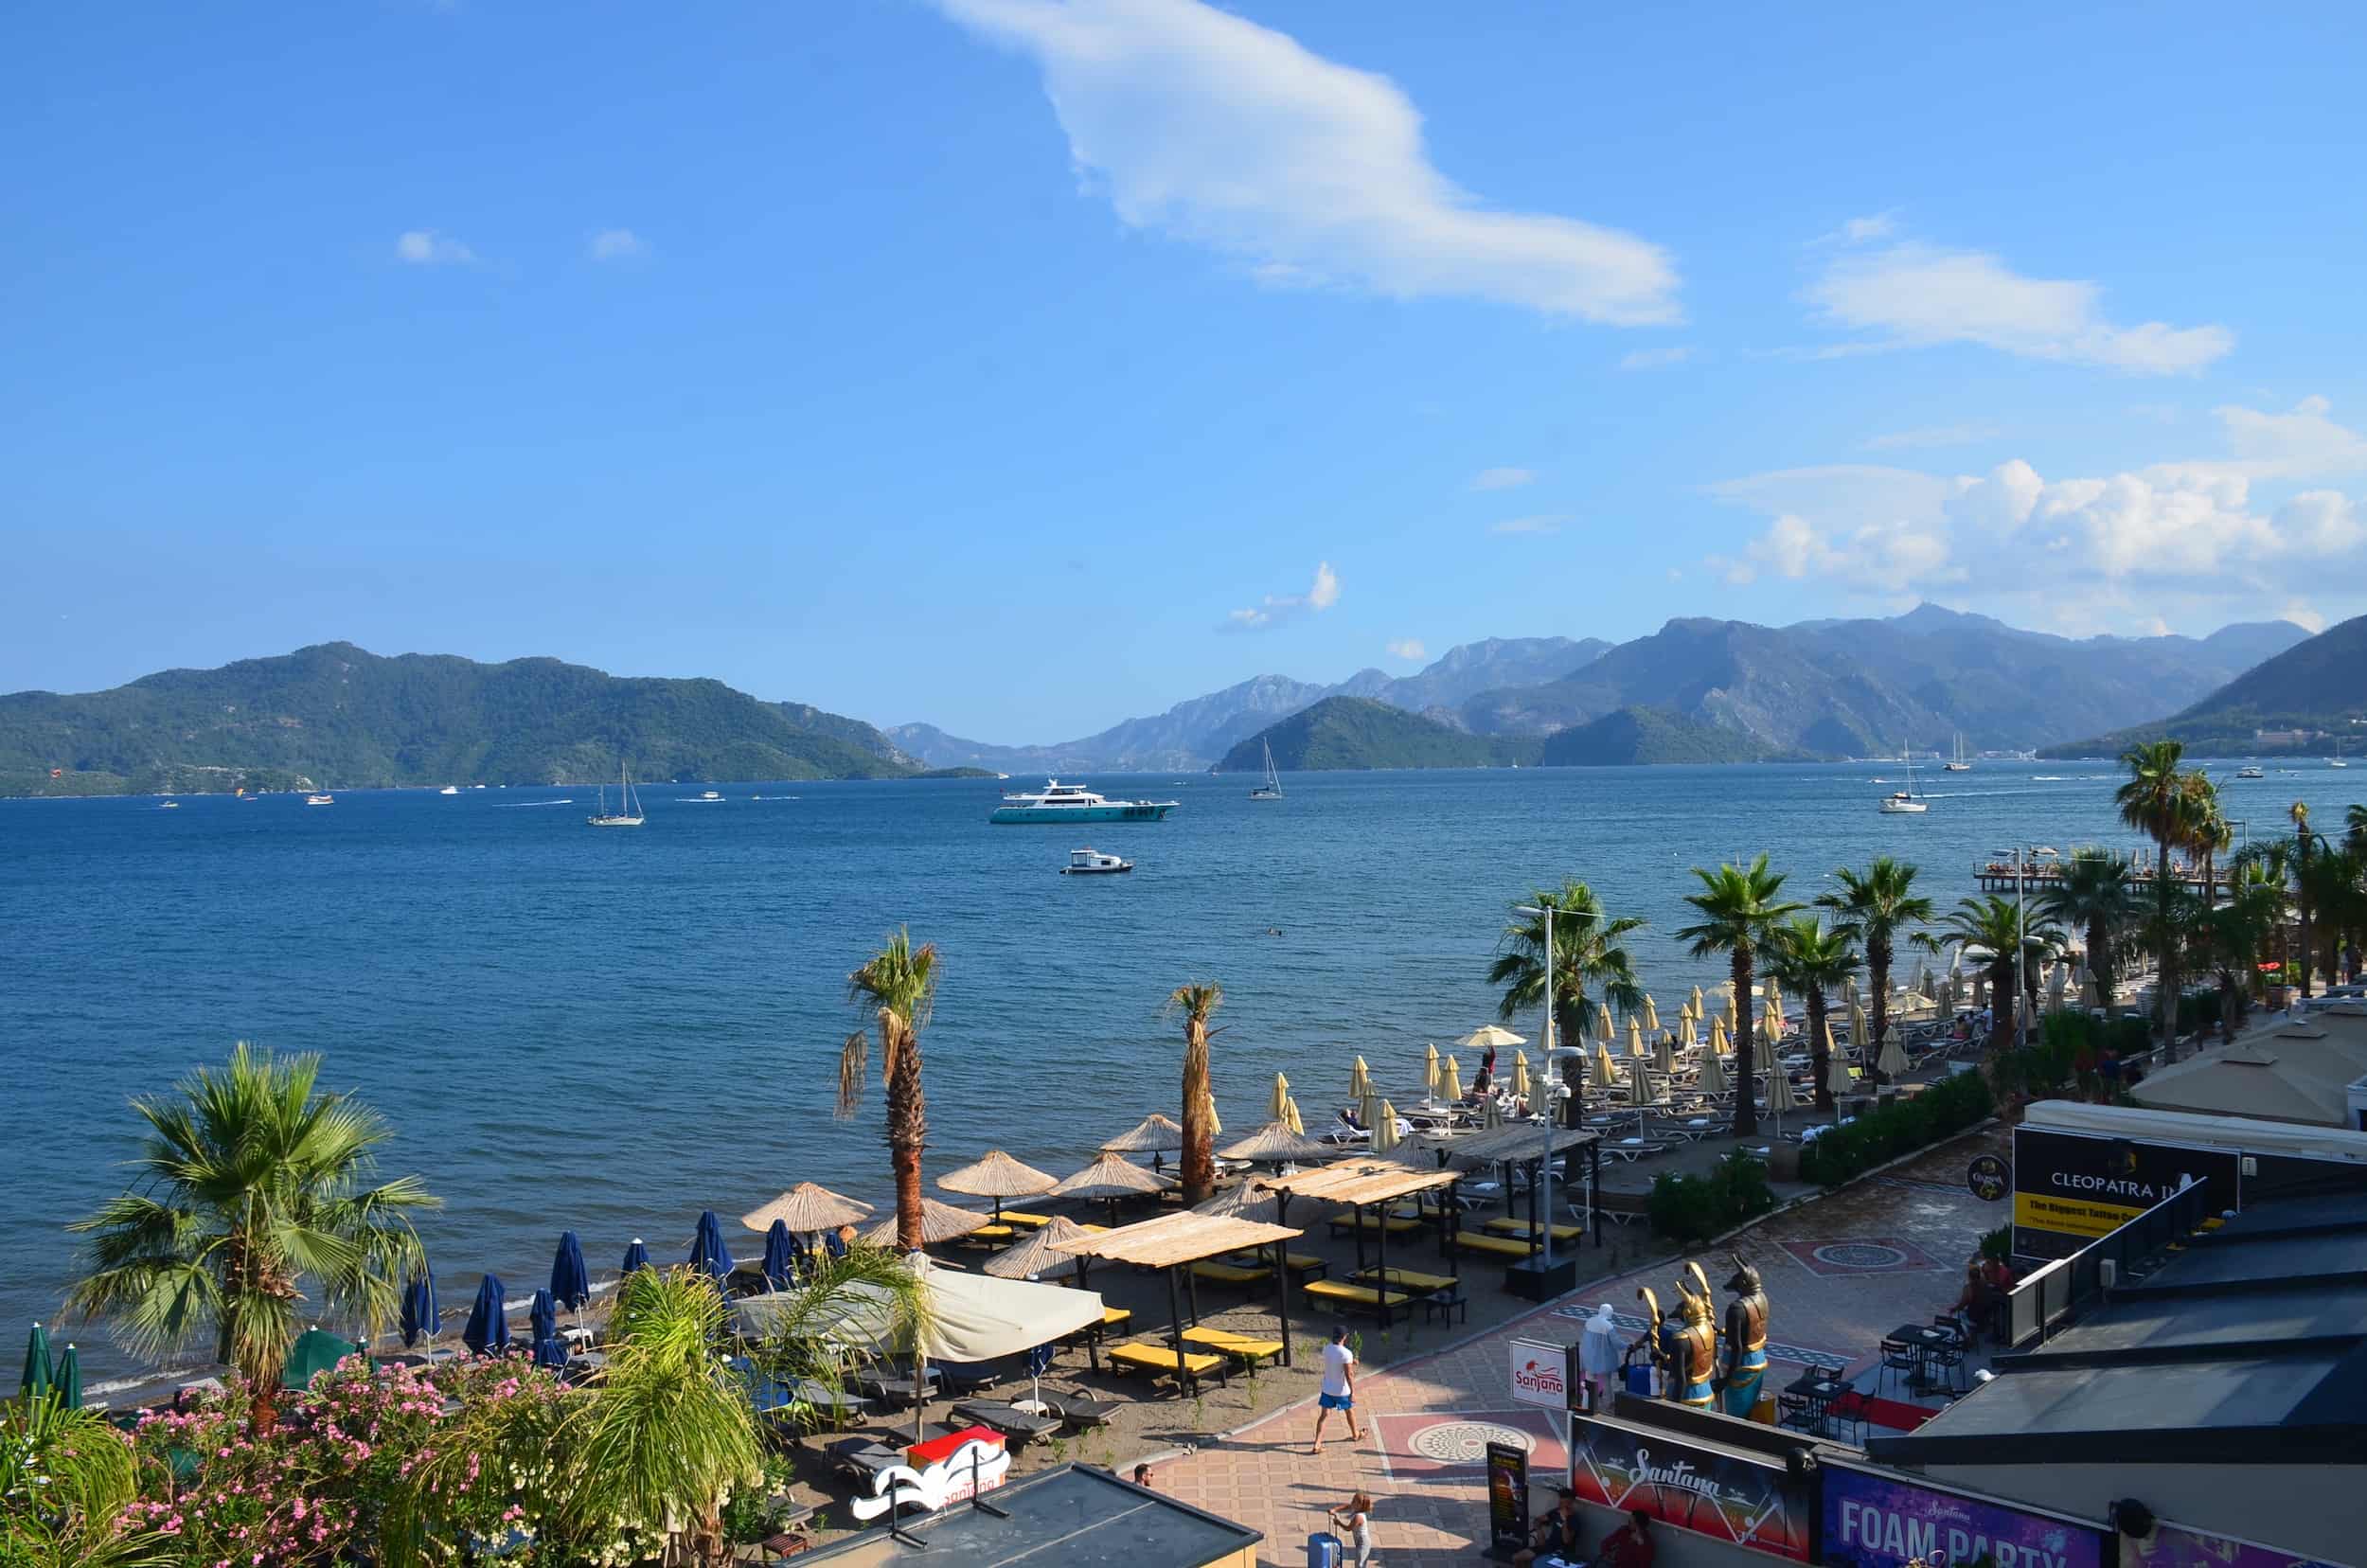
<point>1694,1208</point>
<point>1850,1149</point>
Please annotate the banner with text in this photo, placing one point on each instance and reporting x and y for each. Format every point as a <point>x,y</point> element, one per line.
<point>1880,1521</point>
<point>2070,1189</point>
<point>1541,1374</point>
<point>1724,1495</point>
<point>2173,1546</point>
<point>1508,1496</point>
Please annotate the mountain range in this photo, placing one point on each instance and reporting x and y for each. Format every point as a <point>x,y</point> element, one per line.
<point>2304,699</point>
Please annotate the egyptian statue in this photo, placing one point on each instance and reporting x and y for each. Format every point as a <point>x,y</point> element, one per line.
<point>1745,1350</point>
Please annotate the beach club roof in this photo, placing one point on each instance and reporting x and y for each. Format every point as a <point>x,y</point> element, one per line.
<point>1515,1142</point>
<point>1275,1143</point>
<point>995,1174</point>
<point>1173,1238</point>
<point>1154,1135</point>
<point>1038,1253</point>
<point>1357,1182</point>
<point>807,1207</point>
<point>1110,1176</point>
<point>938,1222</point>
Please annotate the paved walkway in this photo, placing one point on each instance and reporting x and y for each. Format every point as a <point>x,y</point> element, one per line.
<point>1840,1274</point>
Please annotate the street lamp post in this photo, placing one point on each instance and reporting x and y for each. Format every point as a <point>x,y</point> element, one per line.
<point>1553,1055</point>
<point>2021,952</point>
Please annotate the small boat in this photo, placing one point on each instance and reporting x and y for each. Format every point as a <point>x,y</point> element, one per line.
<point>1059,802</point>
<point>1272,789</point>
<point>2336,760</point>
<point>2249,772</point>
<point>1091,862</point>
<point>1904,802</point>
<point>170,806</point>
<point>628,812</point>
<point>449,789</point>
<point>1957,763</point>
<point>706,796</point>
<point>320,800</point>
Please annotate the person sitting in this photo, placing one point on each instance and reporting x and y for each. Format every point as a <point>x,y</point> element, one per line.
<point>1555,1534</point>
<point>1631,1545</point>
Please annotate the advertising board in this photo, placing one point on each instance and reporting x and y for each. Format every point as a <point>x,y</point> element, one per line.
<point>1729,1496</point>
<point>2071,1188</point>
<point>1884,1521</point>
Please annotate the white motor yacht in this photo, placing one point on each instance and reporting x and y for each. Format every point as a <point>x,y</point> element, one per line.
<point>320,800</point>
<point>1059,802</point>
<point>1093,863</point>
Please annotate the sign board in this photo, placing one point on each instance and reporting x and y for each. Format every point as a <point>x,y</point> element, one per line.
<point>976,1466</point>
<point>1541,1374</point>
<point>1509,1495</point>
<point>1990,1177</point>
<point>2173,1546</point>
<point>1727,1496</point>
<point>1886,1522</point>
<point>2070,1189</point>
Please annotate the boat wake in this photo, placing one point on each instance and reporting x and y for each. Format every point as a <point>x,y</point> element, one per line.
<point>772,797</point>
<point>530,805</point>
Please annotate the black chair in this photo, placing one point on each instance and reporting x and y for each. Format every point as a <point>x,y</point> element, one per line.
<point>960,1380</point>
<point>1794,1411</point>
<point>1898,1356</point>
<point>1949,1359</point>
<point>1081,1410</point>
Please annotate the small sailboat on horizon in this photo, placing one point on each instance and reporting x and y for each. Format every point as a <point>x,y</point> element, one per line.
<point>628,812</point>
<point>1272,789</point>
<point>1957,763</point>
<point>1904,802</point>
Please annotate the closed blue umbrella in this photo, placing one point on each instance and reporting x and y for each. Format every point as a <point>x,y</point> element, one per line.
<point>488,1332</point>
<point>707,1253</point>
<point>779,1256</point>
<point>543,1315</point>
<point>637,1255</point>
<point>418,1306</point>
<point>571,1286</point>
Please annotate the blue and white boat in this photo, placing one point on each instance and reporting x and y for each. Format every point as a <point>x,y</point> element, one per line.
<point>1059,802</point>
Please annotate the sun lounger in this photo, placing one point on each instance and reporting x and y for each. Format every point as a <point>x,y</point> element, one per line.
<point>1404,1279</point>
<point>1081,1410</point>
<point>862,1458</point>
<point>1305,1265</point>
<point>1330,1293</point>
<point>1506,1226</point>
<point>1494,1246</point>
<point>1019,1426</point>
<point>963,1379</point>
<point>1226,1273</point>
<point>1162,1362</point>
<point>987,1235</point>
<point>1025,1220</point>
<point>1241,1347</point>
<point>1348,1224</point>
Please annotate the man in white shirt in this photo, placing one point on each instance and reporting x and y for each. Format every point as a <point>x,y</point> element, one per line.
<point>1339,1388</point>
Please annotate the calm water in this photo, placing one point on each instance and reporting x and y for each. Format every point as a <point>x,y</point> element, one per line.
<point>611,1031</point>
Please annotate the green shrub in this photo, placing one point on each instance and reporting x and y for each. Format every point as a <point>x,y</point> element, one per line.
<point>1999,1244</point>
<point>1689,1209</point>
<point>1852,1147</point>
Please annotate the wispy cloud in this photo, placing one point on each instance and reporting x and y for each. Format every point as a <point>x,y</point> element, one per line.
<point>1502,478</point>
<point>2300,614</point>
<point>427,248</point>
<point>1915,295</point>
<point>1931,436</point>
<point>1408,649</point>
<point>1203,125</point>
<point>617,244</point>
<point>1656,359</point>
<point>1542,523</point>
<point>1274,609</point>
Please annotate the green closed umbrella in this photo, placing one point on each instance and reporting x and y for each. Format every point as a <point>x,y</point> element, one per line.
<point>69,1380</point>
<point>314,1352</point>
<point>38,1379</point>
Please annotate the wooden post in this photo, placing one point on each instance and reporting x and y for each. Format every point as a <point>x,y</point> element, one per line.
<point>1191,1293</point>
<point>1093,1340</point>
<point>1594,1190</point>
<point>1383,1244</point>
<point>1175,1335</point>
<point>1282,1277</point>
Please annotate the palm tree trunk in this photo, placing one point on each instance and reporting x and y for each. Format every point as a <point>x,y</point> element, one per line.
<point>1877,965</point>
<point>2100,965</point>
<point>1569,1028</point>
<point>2165,983</point>
<point>1199,1172</point>
<point>2001,1018</point>
<point>1746,1110</point>
<point>262,1413</point>
<point>1820,1060</point>
<point>907,1126</point>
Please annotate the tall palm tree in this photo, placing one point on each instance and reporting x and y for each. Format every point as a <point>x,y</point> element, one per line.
<point>2158,801</point>
<point>899,983</point>
<point>251,1185</point>
<point>2299,813</point>
<point>1810,958</point>
<point>1739,906</point>
<point>1197,1002</point>
<point>1589,954</point>
<point>2233,935</point>
<point>1993,923</point>
<point>1881,902</point>
<point>2094,896</point>
<point>2271,861</point>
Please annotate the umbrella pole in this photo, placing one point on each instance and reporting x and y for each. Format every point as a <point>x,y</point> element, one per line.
<point>1594,1190</point>
<point>1282,1277</point>
<point>1381,1244</point>
<point>1175,1335</point>
<point>1092,1340</point>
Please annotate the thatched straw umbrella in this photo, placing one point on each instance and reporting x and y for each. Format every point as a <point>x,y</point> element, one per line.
<point>938,1222</point>
<point>1113,1178</point>
<point>1154,1135</point>
<point>1277,1143</point>
<point>996,1175</point>
<point>805,1209</point>
<point>1034,1256</point>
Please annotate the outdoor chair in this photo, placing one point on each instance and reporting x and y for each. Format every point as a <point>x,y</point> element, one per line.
<point>1947,1359</point>
<point>1081,1410</point>
<point>1900,1357</point>
<point>1017,1426</point>
<point>1850,1410</point>
<point>1792,1410</point>
<point>860,1458</point>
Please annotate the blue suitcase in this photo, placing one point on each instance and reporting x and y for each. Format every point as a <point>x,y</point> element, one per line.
<point>1639,1376</point>
<point>1325,1551</point>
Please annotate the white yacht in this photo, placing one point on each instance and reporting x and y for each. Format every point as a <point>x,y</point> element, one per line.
<point>705,795</point>
<point>1093,863</point>
<point>1272,789</point>
<point>1957,762</point>
<point>1904,802</point>
<point>320,800</point>
<point>1059,802</point>
<point>2247,770</point>
<point>628,812</point>
<point>449,789</point>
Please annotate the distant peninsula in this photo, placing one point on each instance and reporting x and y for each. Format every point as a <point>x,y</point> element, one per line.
<point>1358,733</point>
<point>2310,700</point>
<point>1640,737</point>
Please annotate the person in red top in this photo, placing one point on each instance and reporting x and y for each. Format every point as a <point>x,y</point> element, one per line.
<point>1628,1546</point>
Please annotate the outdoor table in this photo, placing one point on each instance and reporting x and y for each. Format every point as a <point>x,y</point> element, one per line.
<point>1820,1389</point>
<point>1926,1340</point>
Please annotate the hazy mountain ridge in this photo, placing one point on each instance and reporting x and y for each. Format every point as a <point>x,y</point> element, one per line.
<point>2319,685</point>
<point>1357,732</point>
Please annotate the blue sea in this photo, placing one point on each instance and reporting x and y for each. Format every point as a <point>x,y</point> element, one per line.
<point>609,1032</point>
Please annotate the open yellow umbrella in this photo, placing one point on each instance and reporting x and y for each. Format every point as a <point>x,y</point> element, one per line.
<point>1281,1097</point>
<point>1651,1014</point>
<point>1635,1039</point>
<point>1450,1082</point>
<point>1521,1075</point>
<point>1430,1071</point>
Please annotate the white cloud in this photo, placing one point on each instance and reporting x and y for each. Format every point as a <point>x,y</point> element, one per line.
<point>1543,524</point>
<point>427,248</point>
<point>1408,649</point>
<point>1276,607</point>
<point>1502,478</point>
<point>1931,436</point>
<point>1203,125</point>
<point>2300,614</point>
<point>617,244</point>
<point>2302,443</point>
<point>1859,231</point>
<point>1656,359</point>
<point>1914,294</point>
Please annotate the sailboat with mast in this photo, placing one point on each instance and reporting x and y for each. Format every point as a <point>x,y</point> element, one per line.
<point>1904,802</point>
<point>1272,789</point>
<point>1957,763</point>
<point>628,812</point>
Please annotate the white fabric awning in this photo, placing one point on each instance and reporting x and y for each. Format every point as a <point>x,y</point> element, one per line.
<point>975,1317</point>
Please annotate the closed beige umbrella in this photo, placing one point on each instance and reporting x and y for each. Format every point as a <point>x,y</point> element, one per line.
<point>1360,1080</point>
<point>1860,1031</point>
<point>1779,1097</point>
<point>1521,1075</point>
<point>1664,1056</point>
<point>938,1222</point>
<point>1714,1080</point>
<point>1275,1107</point>
<point>1605,1073</point>
<point>1290,1114</point>
<point>1385,1129</point>
<point>2057,982</point>
<point>1832,1051</point>
<point>1369,1107</point>
<point>1635,1039</point>
<point>1430,1071</point>
<point>807,1208</point>
<point>1734,1007</point>
<point>1215,1126</point>
<point>1038,1253</point>
<point>1603,1029</point>
<point>1697,1001</point>
<point>1651,1015</point>
<point>1719,1044</point>
<point>1771,1023</point>
<point>996,1175</point>
<point>1838,1078</point>
<point>1849,988</point>
<point>1450,1082</point>
<point>1892,1063</point>
<point>1774,997</point>
<point>1686,1034</point>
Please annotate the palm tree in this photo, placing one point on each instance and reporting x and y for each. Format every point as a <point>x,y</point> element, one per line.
<point>2299,813</point>
<point>1739,909</point>
<point>1810,958</point>
<point>1993,923</point>
<point>2207,832</point>
<point>2158,801</point>
<point>1881,902</point>
<point>899,983</point>
<point>1197,1002</point>
<point>2233,935</point>
<point>1589,954</point>
<point>2270,861</point>
<point>2094,896</point>
<point>2355,826</point>
<point>251,1185</point>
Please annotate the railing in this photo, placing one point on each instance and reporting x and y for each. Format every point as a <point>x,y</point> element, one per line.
<point>2048,1295</point>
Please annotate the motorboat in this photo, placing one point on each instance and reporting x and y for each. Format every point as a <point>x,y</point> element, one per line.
<point>705,795</point>
<point>1059,802</point>
<point>1904,802</point>
<point>449,789</point>
<point>628,812</point>
<point>1957,763</point>
<point>1272,789</point>
<point>320,800</point>
<point>2249,772</point>
<point>170,806</point>
<point>1093,863</point>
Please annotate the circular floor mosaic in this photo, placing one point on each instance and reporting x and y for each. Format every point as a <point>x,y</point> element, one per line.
<point>1465,1442</point>
<point>1861,1254</point>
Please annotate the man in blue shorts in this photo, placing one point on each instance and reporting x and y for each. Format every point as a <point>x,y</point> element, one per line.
<point>1339,1388</point>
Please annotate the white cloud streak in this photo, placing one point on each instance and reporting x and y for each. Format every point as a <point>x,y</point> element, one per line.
<point>1206,126</point>
<point>1408,649</point>
<point>1502,478</point>
<point>1275,609</point>
<point>1656,359</point>
<point>617,244</point>
<point>427,248</point>
<point>1543,524</point>
<point>1932,436</point>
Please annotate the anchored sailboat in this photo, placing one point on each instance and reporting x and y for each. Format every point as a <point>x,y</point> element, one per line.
<point>1904,802</point>
<point>1272,789</point>
<point>1957,763</point>
<point>628,812</point>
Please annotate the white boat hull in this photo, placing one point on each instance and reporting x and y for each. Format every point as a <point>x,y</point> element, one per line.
<point>1903,808</point>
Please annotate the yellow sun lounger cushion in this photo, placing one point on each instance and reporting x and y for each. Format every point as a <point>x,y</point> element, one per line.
<point>1495,1246</point>
<point>1237,1346</point>
<point>1161,1360</point>
<point>1337,1294</point>
<point>1226,1274</point>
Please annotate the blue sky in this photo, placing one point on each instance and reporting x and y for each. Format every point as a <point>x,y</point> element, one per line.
<point>1022,365</point>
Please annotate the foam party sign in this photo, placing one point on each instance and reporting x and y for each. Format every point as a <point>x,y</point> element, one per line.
<point>1876,1521</point>
<point>978,1465</point>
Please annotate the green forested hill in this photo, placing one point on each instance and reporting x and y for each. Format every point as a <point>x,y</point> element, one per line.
<point>1355,732</point>
<point>2319,685</point>
<point>344,718</point>
<point>1631,735</point>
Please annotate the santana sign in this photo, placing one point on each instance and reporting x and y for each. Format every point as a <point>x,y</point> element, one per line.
<point>976,1467</point>
<point>1541,1374</point>
<point>1874,1522</point>
<point>1722,1494</point>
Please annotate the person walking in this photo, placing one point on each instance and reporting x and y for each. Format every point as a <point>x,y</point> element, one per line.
<point>1355,1516</point>
<point>1339,1389</point>
<point>1599,1355</point>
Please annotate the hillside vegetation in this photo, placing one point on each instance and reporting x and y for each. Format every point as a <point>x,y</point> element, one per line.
<point>1357,732</point>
